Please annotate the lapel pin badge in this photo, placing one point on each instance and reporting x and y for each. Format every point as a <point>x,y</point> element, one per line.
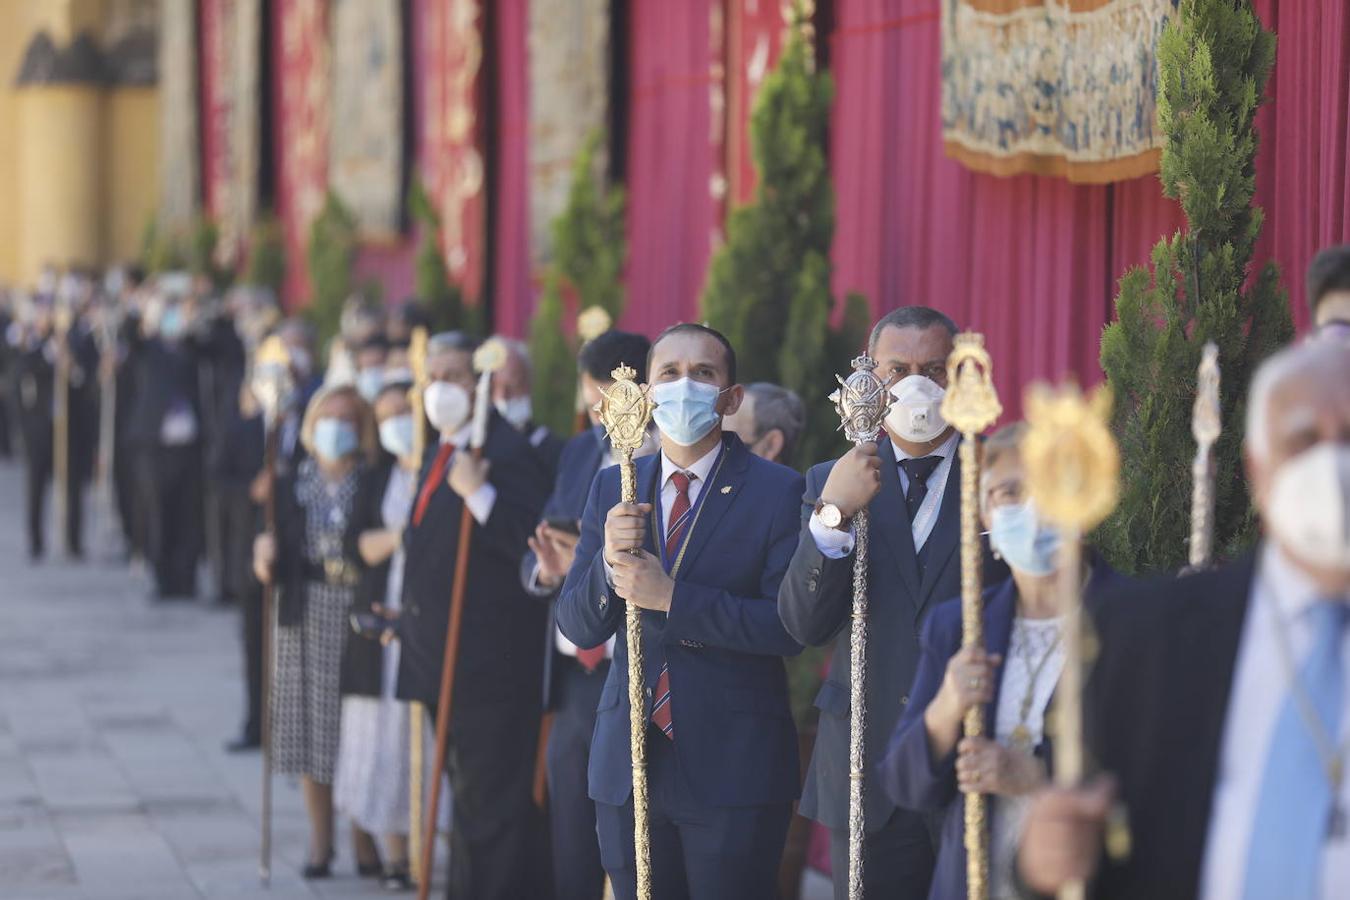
<point>727,489</point>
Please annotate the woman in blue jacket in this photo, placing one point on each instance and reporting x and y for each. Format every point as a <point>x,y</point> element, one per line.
<point>929,764</point>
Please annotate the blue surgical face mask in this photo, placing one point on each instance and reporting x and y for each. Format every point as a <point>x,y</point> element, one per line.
<point>396,434</point>
<point>171,323</point>
<point>369,382</point>
<point>686,410</point>
<point>1023,540</point>
<point>334,438</point>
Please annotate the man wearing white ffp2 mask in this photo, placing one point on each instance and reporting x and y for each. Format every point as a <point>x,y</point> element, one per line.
<point>907,481</point>
<point>1262,645</point>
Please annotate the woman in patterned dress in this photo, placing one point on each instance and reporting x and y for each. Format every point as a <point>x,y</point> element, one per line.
<point>311,562</point>
<point>929,764</point>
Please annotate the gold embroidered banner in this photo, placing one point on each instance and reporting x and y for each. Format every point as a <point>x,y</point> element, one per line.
<point>1053,87</point>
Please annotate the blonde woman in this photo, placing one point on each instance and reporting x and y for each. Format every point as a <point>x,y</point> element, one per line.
<point>310,561</point>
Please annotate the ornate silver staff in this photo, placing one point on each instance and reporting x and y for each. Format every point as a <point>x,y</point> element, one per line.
<point>1073,475</point>
<point>271,383</point>
<point>971,405</point>
<point>1206,426</point>
<point>862,402</point>
<point>417,713</point>
<point>625,409</point>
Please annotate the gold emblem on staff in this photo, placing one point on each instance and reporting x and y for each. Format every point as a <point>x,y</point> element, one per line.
<point>593,322</point>
<point>625,410</point>
<point>971,405</point>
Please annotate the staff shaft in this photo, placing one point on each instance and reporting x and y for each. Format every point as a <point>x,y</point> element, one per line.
<point>1069,753</point>
<point>972,635</point>
<point>857,733</point>
<point>637,712</point>
<point>1202,508</point>
<point>270,453</point>
<point>443,706</point>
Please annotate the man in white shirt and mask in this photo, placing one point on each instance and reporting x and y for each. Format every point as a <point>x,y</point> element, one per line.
<point>1219,701</point>
<point>908,481</point>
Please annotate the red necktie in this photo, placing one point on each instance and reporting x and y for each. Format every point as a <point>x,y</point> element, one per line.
<point>433,481</point>
<point>680,512</point>
<point>592,657</point>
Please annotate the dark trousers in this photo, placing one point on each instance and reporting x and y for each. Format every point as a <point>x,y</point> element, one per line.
<point>39,472</point>
<point>251,606</point>
<point>699,852</point>
<point>130,506</point>
<point>900,857</point>
<point>577,872</point>
<point>171,485</point>
<point>238,524</point>
<point>497,833</point>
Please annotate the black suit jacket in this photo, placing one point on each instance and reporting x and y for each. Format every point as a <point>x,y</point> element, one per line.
<point>363,657</point>
<point>815,603</point>
<point>499,659</point>
<point>1156,701</point>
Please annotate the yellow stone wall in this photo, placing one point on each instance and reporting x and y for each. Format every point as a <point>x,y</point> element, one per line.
<point>79,164</point>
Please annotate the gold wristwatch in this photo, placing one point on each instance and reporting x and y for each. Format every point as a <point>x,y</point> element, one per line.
<point>832,516</point>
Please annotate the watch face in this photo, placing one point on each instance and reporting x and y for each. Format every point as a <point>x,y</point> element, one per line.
<point>830,516</point>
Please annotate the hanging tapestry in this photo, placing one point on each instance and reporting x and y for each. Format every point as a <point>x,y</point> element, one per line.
<point>1053,87</point>
<point>177,115</point>
<point>365,140</point>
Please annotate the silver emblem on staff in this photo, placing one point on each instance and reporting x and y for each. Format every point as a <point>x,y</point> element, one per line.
<point>862,402</point>
<point>1206,426</point>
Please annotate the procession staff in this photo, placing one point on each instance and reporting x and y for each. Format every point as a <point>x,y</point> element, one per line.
<point>63,491</point>
<point>713,536</point>
<point>1073,471</point>
<point>1206,426</point>
<point>494,721</point>
<point>574,676</point>
<point>1217,699</point>
<point>906,482</point>
<point>273,387</point>
<point>417,713</point>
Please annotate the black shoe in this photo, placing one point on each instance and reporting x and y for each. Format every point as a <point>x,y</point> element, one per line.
<point>396,878</point>
<point>369,870</point>
<point>313,871</point>
<point>245,743</point>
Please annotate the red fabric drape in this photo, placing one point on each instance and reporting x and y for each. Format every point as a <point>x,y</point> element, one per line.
<point>1033,262</point>
<point>511,232</point>
<point>754,39</point>
<point>672,217</point>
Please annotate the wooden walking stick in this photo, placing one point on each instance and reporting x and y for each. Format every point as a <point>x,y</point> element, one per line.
<point>417,714</point>
<point>272,385</point>
<point>1206,426</point>
<point>106,334</point>
<point>625,410</point>
<point>1073,472</point>
<point>862,401</point>
<point>971,405</point>
<point>490,357</point>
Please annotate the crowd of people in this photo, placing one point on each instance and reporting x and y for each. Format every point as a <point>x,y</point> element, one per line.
<point>1214,708</point>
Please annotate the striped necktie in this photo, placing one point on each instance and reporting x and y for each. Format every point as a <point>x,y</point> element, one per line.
<point>680,512</point>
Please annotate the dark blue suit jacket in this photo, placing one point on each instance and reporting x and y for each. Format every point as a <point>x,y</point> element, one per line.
<point>908,773</point>
<point>579,461</point>
<point>722,638</point>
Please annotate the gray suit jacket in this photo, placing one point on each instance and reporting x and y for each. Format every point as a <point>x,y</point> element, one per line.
<point>815,601</point>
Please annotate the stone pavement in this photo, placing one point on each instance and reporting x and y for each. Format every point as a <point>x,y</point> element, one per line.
<point>114,784</point>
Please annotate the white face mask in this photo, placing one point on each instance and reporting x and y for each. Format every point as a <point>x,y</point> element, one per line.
<point>916,414</point>
<point>396,434</point>
<point>448,405</point>
<point>1309,508</point>
<point>516,410</point>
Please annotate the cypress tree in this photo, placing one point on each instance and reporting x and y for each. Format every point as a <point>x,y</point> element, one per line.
<point>1214,59</point>
<point>330,254</point>
<point>440,297</point>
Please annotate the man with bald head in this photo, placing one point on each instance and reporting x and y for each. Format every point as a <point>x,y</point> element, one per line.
<point>1220,702</point>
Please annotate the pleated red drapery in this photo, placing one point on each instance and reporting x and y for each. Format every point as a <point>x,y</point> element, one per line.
<point>673,218</point>
<point>511,226</point>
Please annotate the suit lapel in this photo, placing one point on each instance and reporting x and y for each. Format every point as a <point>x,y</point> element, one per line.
<point>889,518</point>
<point>946,533</point>
<point>718,495</point>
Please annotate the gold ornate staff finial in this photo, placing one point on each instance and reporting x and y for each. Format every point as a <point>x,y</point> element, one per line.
<point>862,401</point>
<point>970,406</point>
<point>1206,426</point>
<point>625,410</point>
<point>1073,472</point>
<point>593,322</point>
<point>490,356</point>
<point>270,379</point>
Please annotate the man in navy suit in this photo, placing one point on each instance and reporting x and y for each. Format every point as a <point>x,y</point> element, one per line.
<point>909,483</point>
<point>573,676</point>
<point>702,556</point>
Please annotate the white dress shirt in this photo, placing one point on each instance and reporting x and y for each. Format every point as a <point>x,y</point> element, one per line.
<point>481,501</point>
<point>1260,687</point>
<point>835,544</point>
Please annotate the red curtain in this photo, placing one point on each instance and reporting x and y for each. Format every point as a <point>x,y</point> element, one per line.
<point>754,39</point>
<point>672,215</point>
<point>1033,262</point>
<point>513,300</point>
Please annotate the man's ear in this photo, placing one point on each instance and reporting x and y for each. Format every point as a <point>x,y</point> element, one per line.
<point>772,444</point>
<point>731,400</point>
